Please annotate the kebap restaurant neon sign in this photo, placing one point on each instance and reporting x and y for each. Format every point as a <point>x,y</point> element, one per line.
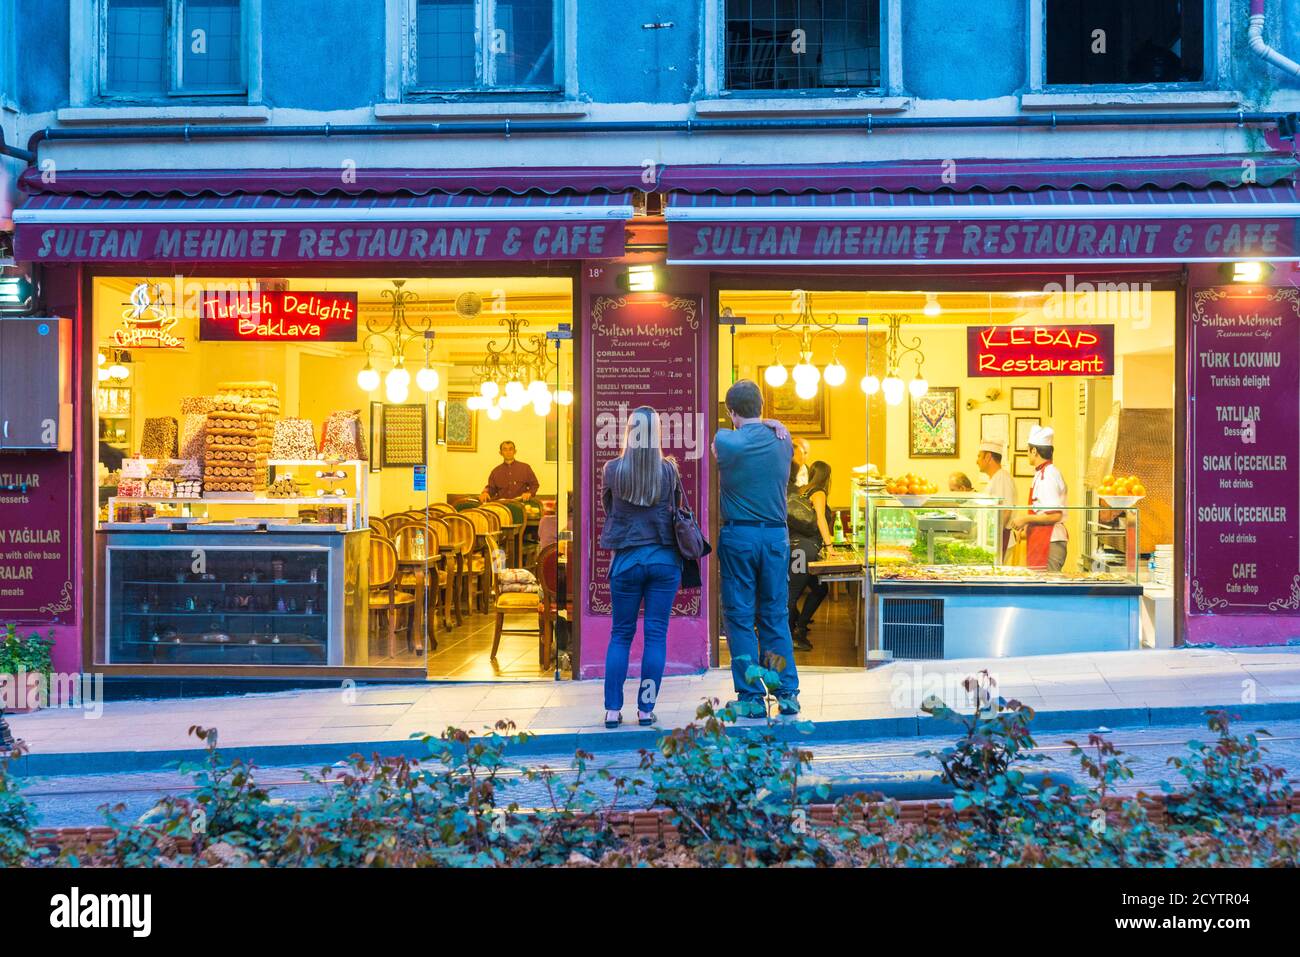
<point>278,316</point>
<point>1040,351</point>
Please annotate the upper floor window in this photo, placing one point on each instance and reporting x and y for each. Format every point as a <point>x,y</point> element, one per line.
<point>802,45</point>
<point>1121,42</point>
<point>152,48</point>
<point>484,45</point>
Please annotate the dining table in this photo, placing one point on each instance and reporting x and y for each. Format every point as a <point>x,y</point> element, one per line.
<point>424,565</point>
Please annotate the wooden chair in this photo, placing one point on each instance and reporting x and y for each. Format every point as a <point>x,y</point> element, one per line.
<point>386,599</point>
<point>548,575</point>
<point>441,537</point>
<point>512,538</point>
<point>522,603</point>
<point>417,542</point>
<point>483,548</point>
<point>377,524</point>
<point>475,566</point>
<point>400,520</point>
<point>442,508</point>
<point>522,513</point>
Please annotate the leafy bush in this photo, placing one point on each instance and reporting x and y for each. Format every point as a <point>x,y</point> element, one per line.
<point>17,817</point>
<point>30,655</point>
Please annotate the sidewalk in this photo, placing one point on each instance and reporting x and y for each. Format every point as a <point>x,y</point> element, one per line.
<point>1069,692</point>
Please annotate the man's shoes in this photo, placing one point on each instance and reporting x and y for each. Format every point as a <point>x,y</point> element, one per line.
<point>800,638</point>
<point>748,708</point>
<point>788,705</point>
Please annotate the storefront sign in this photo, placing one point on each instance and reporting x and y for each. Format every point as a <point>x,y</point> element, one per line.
<point>999,240</point>
<point>262,243</point>
<point>278,316</point>
<point>644,350</point>
<point>36,537</point>
<point>999,351</point>
<point>1244,445</point>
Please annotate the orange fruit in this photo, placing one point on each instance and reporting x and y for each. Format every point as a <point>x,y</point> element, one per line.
<point>1139,489</point>
<point>1108,480</point>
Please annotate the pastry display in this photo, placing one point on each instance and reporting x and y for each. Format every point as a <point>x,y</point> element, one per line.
<point>196,405</point>
<point>158,438</point>
<point>188,488</point>
<point>283,487</point>
<point>342,439</point>
<point>159,487</point>
<point>193,433</point>
<point>294,440</point>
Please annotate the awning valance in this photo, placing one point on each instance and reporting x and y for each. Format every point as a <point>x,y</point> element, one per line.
<point>1038,226</point>
<point>263,228</point>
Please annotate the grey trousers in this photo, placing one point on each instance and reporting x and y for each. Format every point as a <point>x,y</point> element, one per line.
<point>1056,556</point>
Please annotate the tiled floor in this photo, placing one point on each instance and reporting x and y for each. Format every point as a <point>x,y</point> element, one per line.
<point>1130,679</point>
<point>831,635</point>
<point>462,653</point>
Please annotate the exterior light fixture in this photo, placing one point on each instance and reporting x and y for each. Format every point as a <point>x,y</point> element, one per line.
<point>17,290</point>
<point>1246,272</point>
<point>640,279</point>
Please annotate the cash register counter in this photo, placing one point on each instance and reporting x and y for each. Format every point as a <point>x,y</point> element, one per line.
<point>251,595</point>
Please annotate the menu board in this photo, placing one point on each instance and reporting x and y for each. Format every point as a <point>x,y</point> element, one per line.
<point>644,351</point>
<point>1244,436</point>
<point>36,537</point>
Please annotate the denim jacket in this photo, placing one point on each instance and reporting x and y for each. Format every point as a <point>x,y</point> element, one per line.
<point>628,525</point>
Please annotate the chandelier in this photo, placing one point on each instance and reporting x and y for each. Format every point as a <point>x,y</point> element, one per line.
<point>387,341</point>
<point>804,330</point>
<point>514,374</point>
<point>897,349</point>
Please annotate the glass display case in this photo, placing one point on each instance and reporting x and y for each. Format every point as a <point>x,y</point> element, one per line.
<point>241,606</point>
<point>949,539</point>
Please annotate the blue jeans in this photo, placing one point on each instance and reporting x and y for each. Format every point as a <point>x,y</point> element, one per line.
<point>656,586</point>
<point>755,570</point>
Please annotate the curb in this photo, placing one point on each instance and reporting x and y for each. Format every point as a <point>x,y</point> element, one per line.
<point>564,743</point>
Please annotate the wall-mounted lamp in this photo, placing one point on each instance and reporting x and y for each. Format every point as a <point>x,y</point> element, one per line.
<point>640,279</point>
<point>1246,272</point>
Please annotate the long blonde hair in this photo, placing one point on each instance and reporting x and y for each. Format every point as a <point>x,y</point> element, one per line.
<point>638,475</point>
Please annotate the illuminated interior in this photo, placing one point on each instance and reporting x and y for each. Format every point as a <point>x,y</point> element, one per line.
<point>856,430</point>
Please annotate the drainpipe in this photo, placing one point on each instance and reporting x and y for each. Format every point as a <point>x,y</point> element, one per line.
<point>1261,49</point>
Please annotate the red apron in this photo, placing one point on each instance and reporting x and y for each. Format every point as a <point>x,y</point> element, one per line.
<point>1038,538</point>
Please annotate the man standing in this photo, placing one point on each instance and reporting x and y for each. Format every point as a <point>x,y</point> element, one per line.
<point>754,547</point>
<point>510,479</point>
<point>1001,486</point>
<point>1044,524</point>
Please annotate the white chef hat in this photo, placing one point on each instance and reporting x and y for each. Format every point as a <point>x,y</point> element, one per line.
<point>991,445</point>
<point>1042,435</point>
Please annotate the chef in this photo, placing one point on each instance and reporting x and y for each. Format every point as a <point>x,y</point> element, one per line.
<point>1044,524</point>
<point>1001,485</point>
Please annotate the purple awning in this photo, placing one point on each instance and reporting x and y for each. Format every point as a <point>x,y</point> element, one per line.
<point>1038,226</point>
<point>337,229</point>
<point>926,176</point>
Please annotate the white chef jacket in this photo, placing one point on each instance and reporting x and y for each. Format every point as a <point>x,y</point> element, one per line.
<point>1048,494</point>
<point>1003,488</point>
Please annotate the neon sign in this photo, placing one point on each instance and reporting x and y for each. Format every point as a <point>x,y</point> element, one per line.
<point>1040,351</point>
<point>278,316</point>
<point>146,322</point>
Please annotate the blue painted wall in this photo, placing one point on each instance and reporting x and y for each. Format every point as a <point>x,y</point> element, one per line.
<point>971,57</point>
<point>329,54</point>
<point>322,54</point>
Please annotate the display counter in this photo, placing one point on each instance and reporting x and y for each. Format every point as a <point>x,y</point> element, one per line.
<point>233,596</point>
<point>941,587</point>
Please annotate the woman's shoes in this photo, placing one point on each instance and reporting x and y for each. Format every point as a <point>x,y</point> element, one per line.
<point>644,719</point>
<point>615,721</point>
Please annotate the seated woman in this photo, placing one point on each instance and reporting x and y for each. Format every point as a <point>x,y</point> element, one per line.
<point>806,545</point>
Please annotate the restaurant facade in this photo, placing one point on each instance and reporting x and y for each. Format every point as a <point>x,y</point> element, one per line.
<point>658,281</point>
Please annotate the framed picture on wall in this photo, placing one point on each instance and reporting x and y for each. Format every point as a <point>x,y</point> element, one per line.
<point>1022,468</point>
<point>1025,425</point>
<point>995,427</point>
<point>376,436</point>
<point>440,423</point>
<point>932,424</point>
<point>1025,398</point>
<point>806,417</point>
<point>462,424</point>
<point>404,436</point>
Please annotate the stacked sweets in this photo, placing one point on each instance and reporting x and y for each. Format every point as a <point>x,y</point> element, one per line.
<point>230,447</point>
<point>263,400</point>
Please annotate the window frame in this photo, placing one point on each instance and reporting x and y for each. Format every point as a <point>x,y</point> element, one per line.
<point>891,63</point>
<point>9,55</point>
<point>174,45</point>
<point>407,51</point>
<point>1217,64</point>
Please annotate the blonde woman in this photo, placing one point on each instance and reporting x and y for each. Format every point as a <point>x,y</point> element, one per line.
<point>637,490</point>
